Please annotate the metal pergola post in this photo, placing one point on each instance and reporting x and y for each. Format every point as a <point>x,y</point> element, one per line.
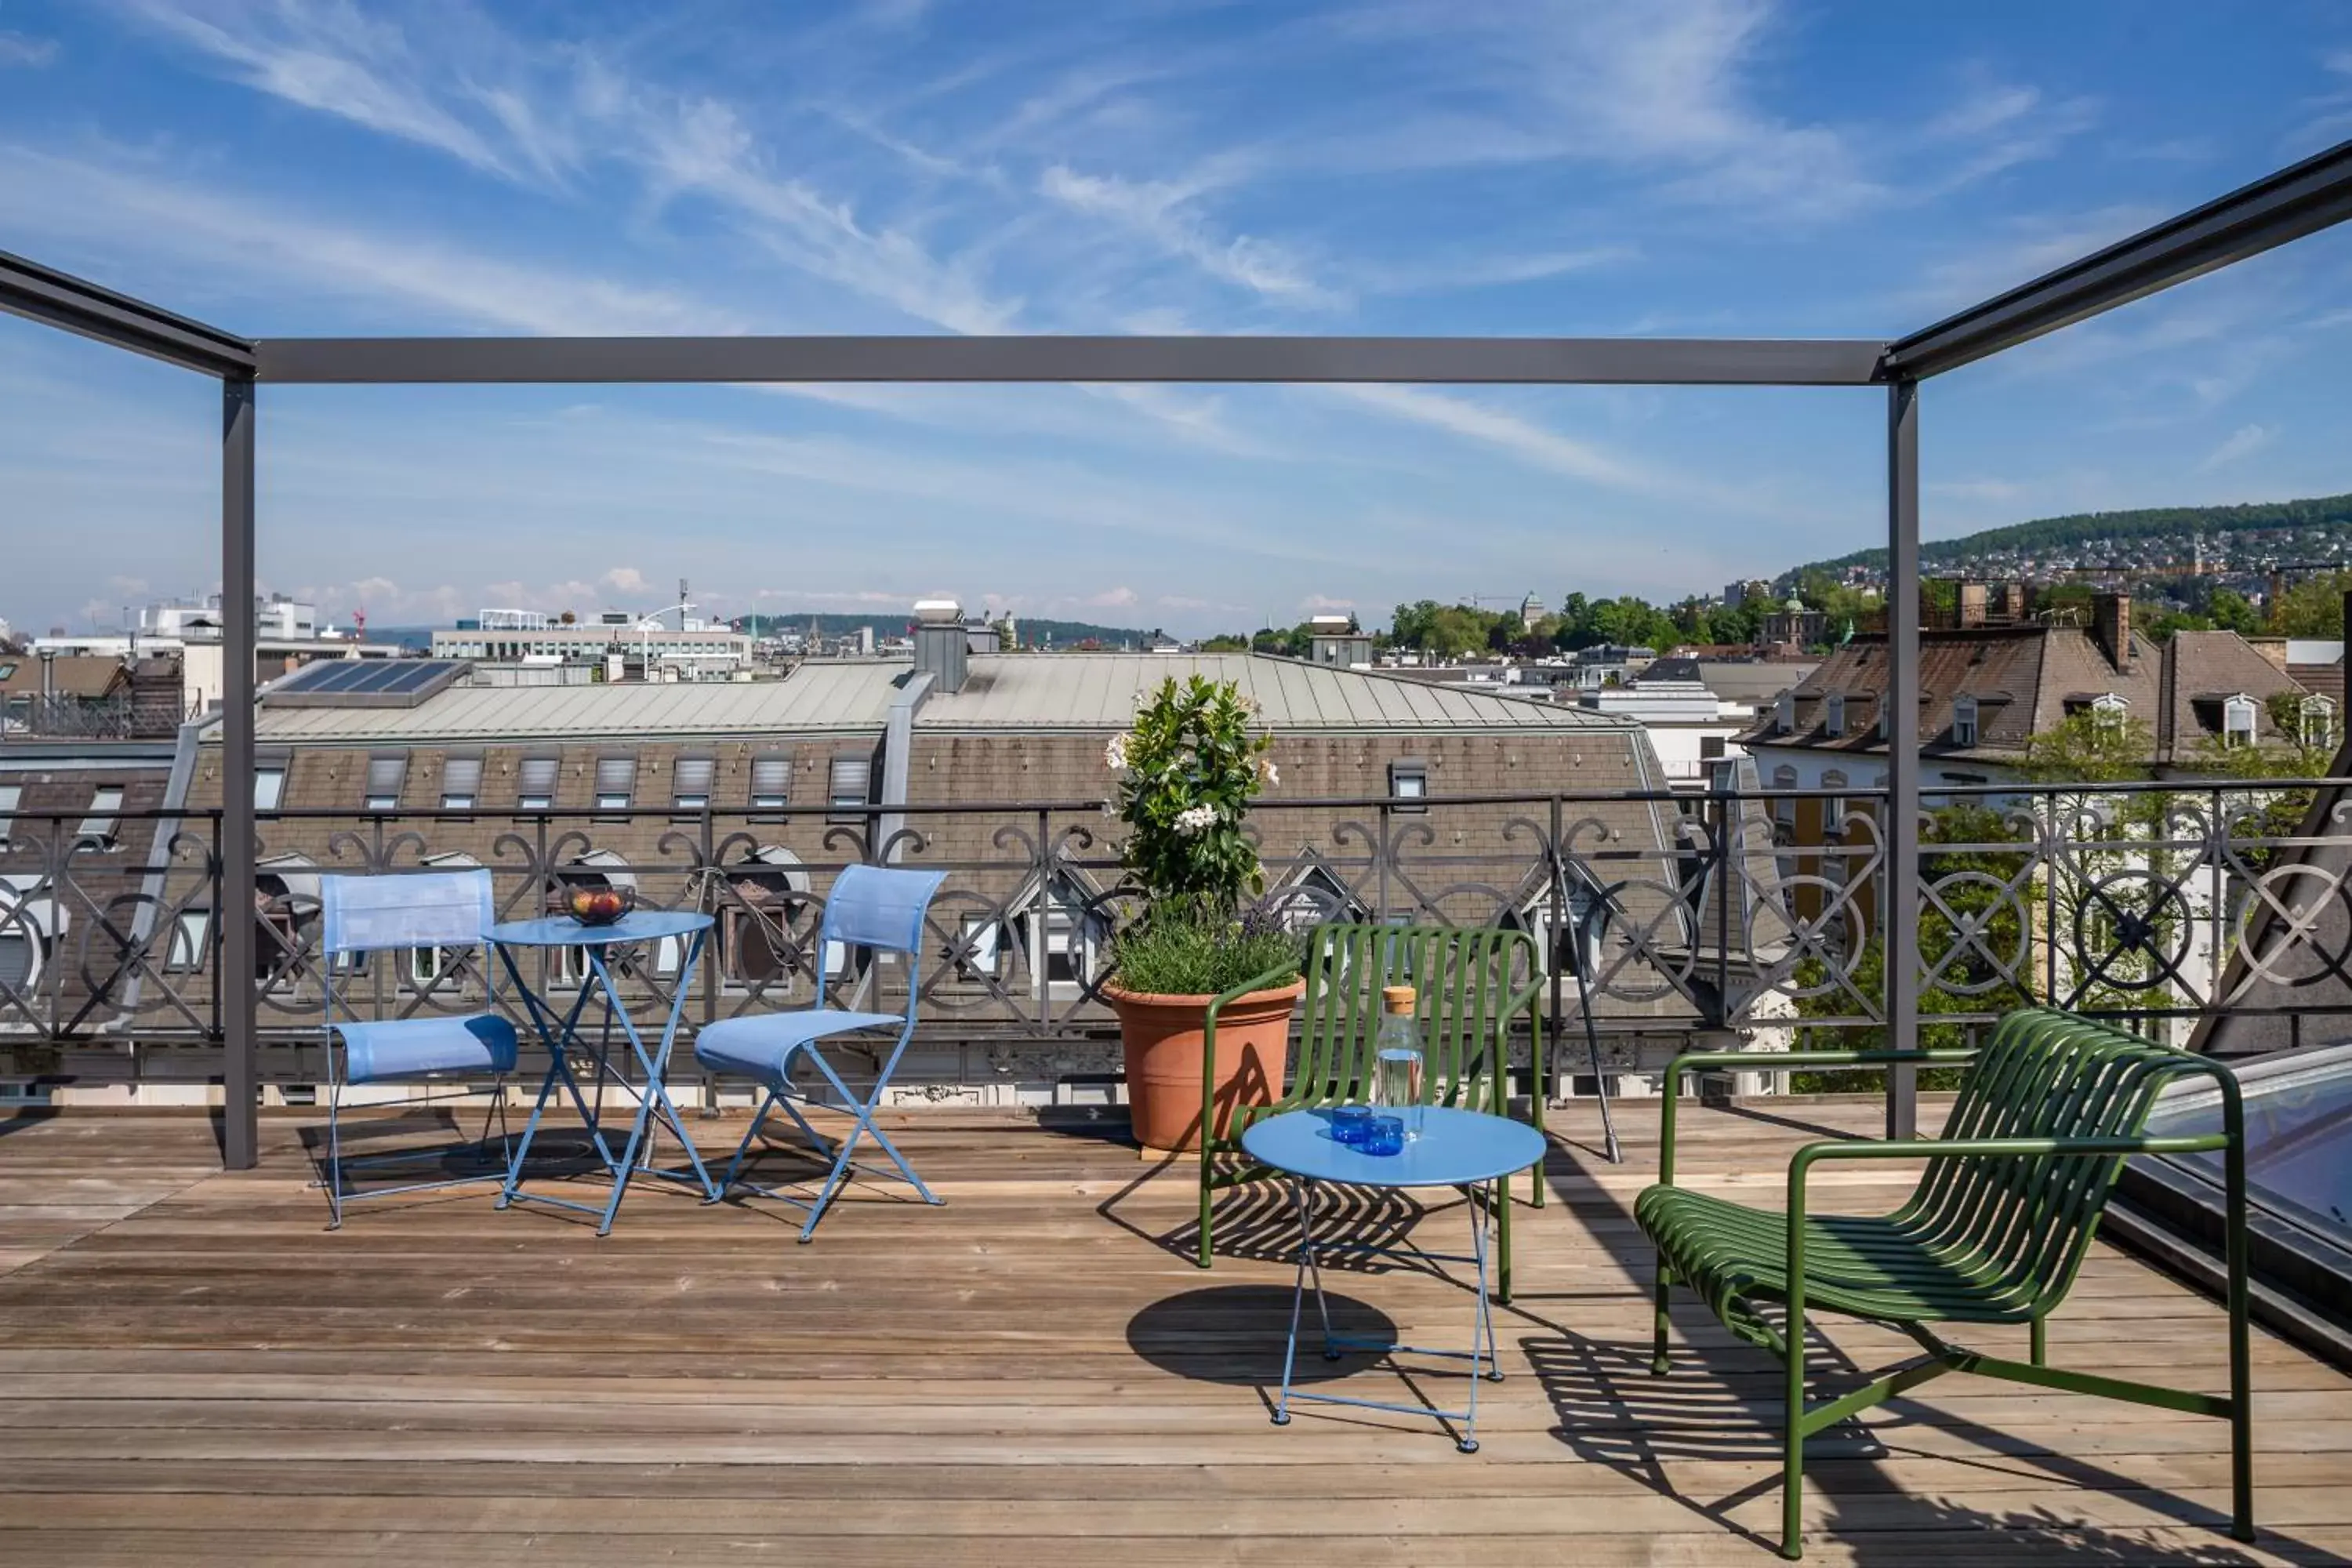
<point>1900,880</point>
<point>240,1136</point>
<point>2283,206</point>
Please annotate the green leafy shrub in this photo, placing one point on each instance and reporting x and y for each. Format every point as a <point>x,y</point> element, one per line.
<point>1189,956</point>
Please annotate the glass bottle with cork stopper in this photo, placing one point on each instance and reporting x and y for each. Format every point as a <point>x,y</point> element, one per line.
<point>1398,1062</point>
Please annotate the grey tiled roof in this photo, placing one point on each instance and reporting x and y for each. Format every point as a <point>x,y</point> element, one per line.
<point>1099,691</point>
<point>1025,692</point>
<point>819,696</point>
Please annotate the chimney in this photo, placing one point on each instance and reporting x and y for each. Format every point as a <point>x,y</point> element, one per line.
<point>2013,601</point>
<point>2270,648</point>
<point>940,645</point>
<point>2111,624</point>
<point>1975,599</point>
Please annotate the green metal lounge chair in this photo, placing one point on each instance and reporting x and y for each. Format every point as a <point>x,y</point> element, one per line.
<point>1994,1233</point>
<point>1473,983</point>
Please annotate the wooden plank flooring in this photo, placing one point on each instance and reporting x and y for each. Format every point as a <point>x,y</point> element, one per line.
<point>196,1372</point>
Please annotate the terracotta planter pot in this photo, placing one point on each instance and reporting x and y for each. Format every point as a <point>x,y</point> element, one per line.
<point>1164,1040</point>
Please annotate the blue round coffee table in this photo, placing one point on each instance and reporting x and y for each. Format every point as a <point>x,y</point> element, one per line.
<point>559,1028</point>
<point>1465,1148</point>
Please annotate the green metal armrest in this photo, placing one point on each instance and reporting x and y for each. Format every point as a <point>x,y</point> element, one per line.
<point>1209,1049</point>
<point>1691,1061</point>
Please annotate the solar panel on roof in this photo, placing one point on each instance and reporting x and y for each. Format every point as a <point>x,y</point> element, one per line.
<point>368,682</point>
<point>382,677</point>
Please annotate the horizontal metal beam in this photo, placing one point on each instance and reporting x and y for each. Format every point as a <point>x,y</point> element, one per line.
<point>44,294</point>
<point>2296,201</point>
<point>1524,361</point>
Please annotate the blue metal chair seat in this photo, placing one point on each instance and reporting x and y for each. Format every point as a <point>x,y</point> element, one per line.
<point>763,1047</point>
<point>874,908</point>
<point>481,1043</point>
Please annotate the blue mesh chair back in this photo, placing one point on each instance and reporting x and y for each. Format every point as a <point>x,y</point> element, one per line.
<point>424,909</point>
<point>880,907</point>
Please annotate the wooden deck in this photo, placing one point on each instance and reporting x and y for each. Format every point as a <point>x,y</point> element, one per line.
<point>195,1371</point>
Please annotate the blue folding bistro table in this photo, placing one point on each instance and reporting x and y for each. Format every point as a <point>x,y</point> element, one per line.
<point>1464,1149</point>
<point>563,1039</point>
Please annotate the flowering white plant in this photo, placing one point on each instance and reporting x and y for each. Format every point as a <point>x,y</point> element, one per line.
<point>1187,773</point>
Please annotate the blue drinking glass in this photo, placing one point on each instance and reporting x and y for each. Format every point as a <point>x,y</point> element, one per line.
<point>1383,1135</point>
<point>1349,1123</point>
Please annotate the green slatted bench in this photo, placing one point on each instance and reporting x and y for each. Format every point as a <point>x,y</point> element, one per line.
<point>1473,982</point>
<point>1994,1233</point>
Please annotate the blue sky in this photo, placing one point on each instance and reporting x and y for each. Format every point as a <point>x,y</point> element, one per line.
<point>1709,167</point>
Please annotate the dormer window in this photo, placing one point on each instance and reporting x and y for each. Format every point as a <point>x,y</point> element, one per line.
<point>1964,722</point>
<point>2238,720</point>
<point>616,781</point>
<point>386,773</point>
<point>1784,713</point>
<point>535,781</point>
<point>2317,716</point>
<point>690,781</point>
<point>1833,721</point>
<point>2108,710</point>
<point>1409,783</point>
<point>461,780</point>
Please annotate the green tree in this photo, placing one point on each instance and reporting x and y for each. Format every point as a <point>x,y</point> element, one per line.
<point>2311,608</point>
<point>2231,611</point>
<point>2091,747</point>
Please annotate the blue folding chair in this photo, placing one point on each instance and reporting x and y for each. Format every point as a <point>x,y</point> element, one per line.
<point>436,911</point>
<point>871,907</point>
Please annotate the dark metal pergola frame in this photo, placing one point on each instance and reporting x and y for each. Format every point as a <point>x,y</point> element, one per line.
<point>2283,206</point>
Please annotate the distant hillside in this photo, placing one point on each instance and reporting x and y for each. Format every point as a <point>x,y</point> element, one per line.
<point>1062,634</point>
<point>2061,535</point>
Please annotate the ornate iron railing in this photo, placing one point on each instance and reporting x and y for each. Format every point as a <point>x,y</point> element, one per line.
<point>1674,913</point>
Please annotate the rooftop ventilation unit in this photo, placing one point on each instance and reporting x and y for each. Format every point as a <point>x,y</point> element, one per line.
<point>942,647</point>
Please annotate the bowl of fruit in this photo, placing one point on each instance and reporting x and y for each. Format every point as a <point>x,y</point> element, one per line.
<point>598,905</point>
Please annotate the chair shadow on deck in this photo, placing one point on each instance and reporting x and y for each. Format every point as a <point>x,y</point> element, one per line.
<point>1722,1402</point>
<point>794,1170</point>
<point>463,1151</point>
<point>1258,1222</point>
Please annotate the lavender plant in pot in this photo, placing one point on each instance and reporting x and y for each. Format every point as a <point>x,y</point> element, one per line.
<point>1205,987</point>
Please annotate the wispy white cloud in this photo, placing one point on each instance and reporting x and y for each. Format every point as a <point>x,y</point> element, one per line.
<point>2328,115</point>
<point>24,49</point>
<point>277,251</point>
<point>1528,441</point>
<point>1668,93</point>
<point>1998,126</point>
<point>1164,212</point>
<point>701,147</point>
<point>2030,248</point>
<point>2242,442</point>
<point>1490,269</point>
<point>330,57</point>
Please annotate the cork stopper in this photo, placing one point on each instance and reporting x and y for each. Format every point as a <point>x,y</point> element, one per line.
<point>1396,998</point>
